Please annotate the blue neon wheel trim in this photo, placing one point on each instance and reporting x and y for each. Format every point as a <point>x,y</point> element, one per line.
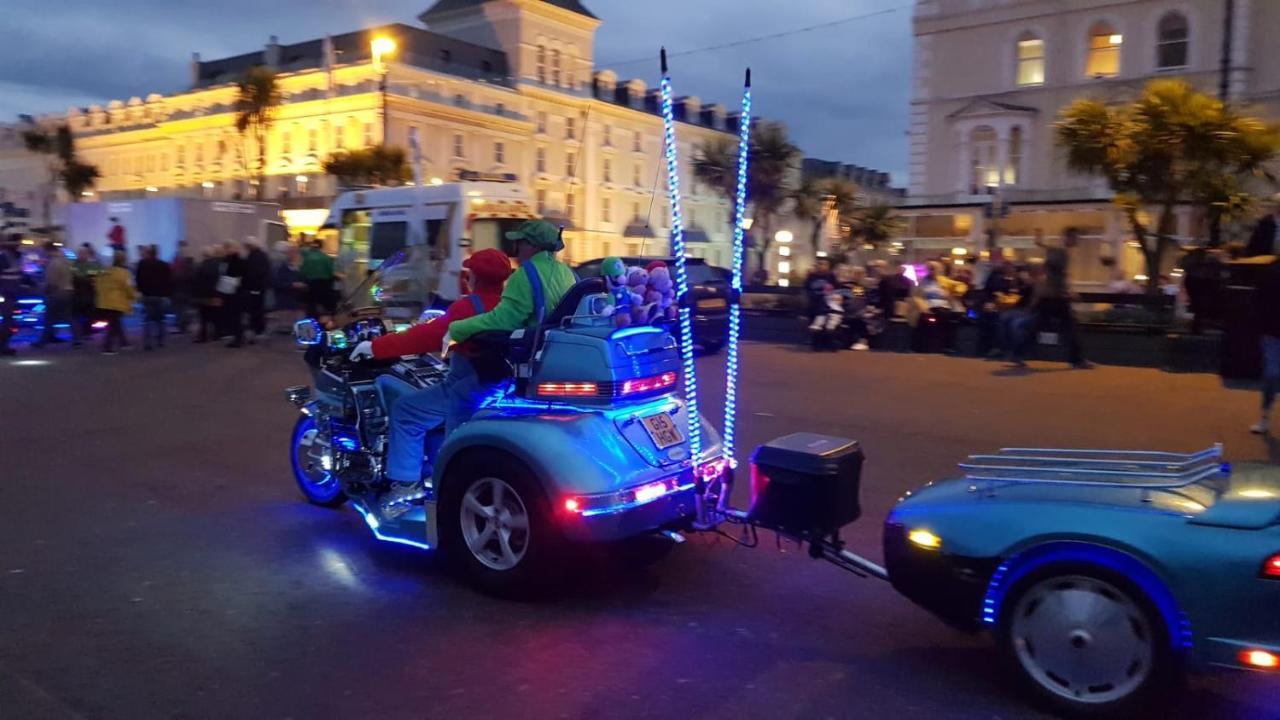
<point>682,271</point>
<point>320,492</point>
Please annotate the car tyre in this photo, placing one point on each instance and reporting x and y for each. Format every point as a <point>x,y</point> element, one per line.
<point>318,486</point>
<point>497,527</point>
<point>1115,623</point>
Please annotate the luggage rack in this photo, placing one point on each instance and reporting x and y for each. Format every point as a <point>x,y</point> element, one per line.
<point>1102,468</point>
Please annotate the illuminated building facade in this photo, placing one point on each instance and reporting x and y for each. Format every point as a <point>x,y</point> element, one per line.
<point>500,87</point>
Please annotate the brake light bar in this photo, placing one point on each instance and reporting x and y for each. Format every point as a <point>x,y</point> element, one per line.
<point>567,389</point>
<point>1271,568</point>
<point>647,385</point>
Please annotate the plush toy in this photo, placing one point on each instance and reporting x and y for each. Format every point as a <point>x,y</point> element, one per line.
<point>662,289</point>
<point>615,280</point>
<point>637,286</point>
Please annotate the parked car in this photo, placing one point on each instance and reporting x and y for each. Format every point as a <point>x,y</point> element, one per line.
<point>710,288</point>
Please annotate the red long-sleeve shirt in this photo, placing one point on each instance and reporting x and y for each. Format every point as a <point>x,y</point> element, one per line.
<point>429,337</point>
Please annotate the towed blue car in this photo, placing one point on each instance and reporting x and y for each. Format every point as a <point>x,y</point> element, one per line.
<point>1103,575</point>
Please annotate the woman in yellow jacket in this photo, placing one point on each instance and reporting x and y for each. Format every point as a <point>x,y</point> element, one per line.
<point>115,294</point>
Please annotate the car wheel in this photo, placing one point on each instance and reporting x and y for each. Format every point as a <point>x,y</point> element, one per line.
<point>318,485</point>
<point>1087,642</point>
<point>497,527</point>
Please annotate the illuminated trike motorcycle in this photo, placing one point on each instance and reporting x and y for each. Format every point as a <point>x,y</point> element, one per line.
<point>586,440</point>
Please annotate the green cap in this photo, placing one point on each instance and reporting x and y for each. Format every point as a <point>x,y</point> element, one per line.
<point>540,234</point>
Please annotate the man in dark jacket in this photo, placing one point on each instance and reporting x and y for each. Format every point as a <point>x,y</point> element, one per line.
<point>154,281</point>
<point>1263,239</point>
<point>894,288</point>
<point>1268,309</point>
<point>257,278</point>
<point>816,283</point>
<point>184,273</point>
<point>231,294</point>
<point>205,290</point>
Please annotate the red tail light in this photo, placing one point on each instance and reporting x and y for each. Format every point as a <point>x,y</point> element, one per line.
<point>1271,568</point>
<point>640,386</point>
<point>567,389</point>
<point>1260,659</point>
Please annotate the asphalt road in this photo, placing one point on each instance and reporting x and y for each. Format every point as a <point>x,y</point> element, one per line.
<point>157,562</point>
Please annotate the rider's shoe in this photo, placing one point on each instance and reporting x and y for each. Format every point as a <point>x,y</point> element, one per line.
<point>402,496</point>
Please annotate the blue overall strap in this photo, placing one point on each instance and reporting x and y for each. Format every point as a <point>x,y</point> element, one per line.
<point>535,284</point>
<point>477,304</point>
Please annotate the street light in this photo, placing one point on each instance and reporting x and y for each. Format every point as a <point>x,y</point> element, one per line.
<point>382,47</point>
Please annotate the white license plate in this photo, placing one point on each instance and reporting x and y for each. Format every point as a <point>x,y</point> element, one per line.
<point>662,430</point>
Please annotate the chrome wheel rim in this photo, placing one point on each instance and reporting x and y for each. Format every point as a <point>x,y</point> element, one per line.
<point>317,481</point>
<point>1082,639</point>
<point>495,523</point>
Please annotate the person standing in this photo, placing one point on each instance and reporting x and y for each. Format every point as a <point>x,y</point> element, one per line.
<point>895,288</point>
<point>257,278</point>
<point>115,236</point>
<point>115,298</point>
<point>1051,299</point>
<point>289,286</point>
<point>84,301</point>
<point>1265,238</point>
<point>1268,310</point>
<point>184,271</point>
<point>317,271</point>
<point>816,287</point>
<point>204,289</point>
<point>231,295</point>
<point>58,289</point>
<point>154,281</point>
<point>10,281</point>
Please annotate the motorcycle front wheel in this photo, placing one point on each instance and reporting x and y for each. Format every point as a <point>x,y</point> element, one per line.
<point>318,485</point>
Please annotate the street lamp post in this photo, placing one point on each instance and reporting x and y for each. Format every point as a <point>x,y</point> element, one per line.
<point>381,48</point>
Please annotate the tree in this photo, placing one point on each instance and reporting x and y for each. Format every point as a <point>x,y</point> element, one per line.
<point>64,167</point>
<point>814,199</point>
<point>257,97</point>
<point>873,225</point>
<point>1172,146</point>
<point>715,164</point>
<point>771,160</point>
<point>375,165</point>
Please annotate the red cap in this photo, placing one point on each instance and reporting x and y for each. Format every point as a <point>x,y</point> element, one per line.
<point>654,264</point>
<point>489,265</point>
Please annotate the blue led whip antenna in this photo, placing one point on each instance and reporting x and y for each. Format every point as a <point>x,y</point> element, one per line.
<point>735,289</point>
<point>682,270</point>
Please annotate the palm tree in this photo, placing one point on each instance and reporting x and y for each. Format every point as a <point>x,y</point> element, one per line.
<point>814,199</point>
<point>64,167</point>
<point>715,164</point>
<point>773,156</point>
<point>377,165</point>
<point>874,225</point>
<point>257,98</point>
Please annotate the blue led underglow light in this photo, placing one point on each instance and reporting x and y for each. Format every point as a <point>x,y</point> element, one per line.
<point>735,300</point>
<point>375,527</point>
<point>682,270</point>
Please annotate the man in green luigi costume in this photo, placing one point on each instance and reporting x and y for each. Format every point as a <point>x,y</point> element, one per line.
<point>531,293</point>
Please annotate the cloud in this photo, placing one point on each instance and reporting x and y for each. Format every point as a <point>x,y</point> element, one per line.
<point>842,90</point>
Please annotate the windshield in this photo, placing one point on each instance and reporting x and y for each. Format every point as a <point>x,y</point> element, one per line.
<point>492,233</point>
<point>400,289</point>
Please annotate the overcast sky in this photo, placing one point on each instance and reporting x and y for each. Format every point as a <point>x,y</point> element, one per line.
<point>842,90</point>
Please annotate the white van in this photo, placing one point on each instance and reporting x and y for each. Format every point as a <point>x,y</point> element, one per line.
<point>440,225</point>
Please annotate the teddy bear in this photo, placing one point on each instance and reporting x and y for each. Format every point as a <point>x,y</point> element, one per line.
<point>614,273</point>
<point>662,293</point>
<point>637,286</point>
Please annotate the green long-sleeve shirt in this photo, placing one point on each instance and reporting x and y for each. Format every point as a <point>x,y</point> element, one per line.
<point>516,310</point>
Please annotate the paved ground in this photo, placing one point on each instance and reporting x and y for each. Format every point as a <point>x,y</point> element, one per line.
<point>156,561</point>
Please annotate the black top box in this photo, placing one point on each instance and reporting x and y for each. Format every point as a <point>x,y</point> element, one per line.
<point>806,484</point>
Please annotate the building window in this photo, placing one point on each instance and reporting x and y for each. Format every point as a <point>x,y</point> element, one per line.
<point>541,196</point>
<point>570,164</point>
<point>542,123</point>
<point>500,109</point>
<point>286,141</point>
<point>500,153</point>
<point>569,78</point>
<point>984,174</point>
<point>606,208</point>
<point>608,170</point>
<point>635,176</point>
<point>555,67</point>
<point>368,134</point>
<point>570,128</point>
<point>313,137</point>
<point>570,206</point>
<point>458,148</point>
<point>1172,42</point>
<point>460,100</point>
<point>1104,51</point>
<point>542,64</point>
<point>608,136</point>
<point>635,210</point>
<point>540,160</point>
<point>338,141</point>
<point>486,66</point>
<point>180,156</point>
<point>446,56</point>
<point>1030,61</point>
<point>1014,171</point>
<point>637,143</point>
